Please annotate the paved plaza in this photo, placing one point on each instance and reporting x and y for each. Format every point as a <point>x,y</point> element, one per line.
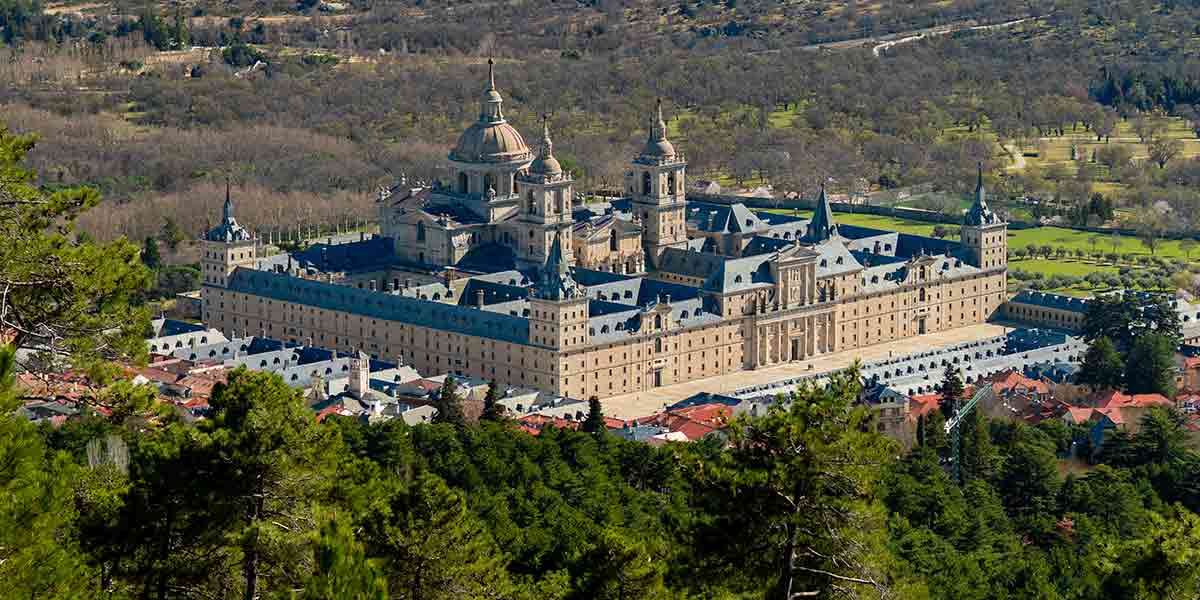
<point>640,404</point>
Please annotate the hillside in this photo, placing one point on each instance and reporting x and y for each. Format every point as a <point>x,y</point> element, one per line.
<point>349,96</point>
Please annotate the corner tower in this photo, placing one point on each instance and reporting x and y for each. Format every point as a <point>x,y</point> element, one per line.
<point>984,235</point>
<point>655,184</point>
<point>558,308</point>
<point>545,211</point>
<point>226,247</point>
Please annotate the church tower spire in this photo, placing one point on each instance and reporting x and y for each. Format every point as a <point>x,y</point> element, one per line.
<point>822,226</point>
<point>490,109</point>
<point>984,234</point>
<point>656,188</point>
<point>658,149</point>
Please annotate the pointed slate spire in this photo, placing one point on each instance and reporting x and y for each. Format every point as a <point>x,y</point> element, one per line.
<point>228,229</point>
<point>227,208</point>
<point>821,227</point>
<point>979,213</point>
<point>557,283</point>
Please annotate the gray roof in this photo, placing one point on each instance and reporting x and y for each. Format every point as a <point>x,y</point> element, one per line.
<point>370,253</point>
<point>835,258</point>
<point>377,305</point>
<point>1048,300</point>
<point>228,230</point>
<point>556,281</point>
<point>822,227</point>
<point>979,214</point>
<point>894,274</point>
<point>721,218</point>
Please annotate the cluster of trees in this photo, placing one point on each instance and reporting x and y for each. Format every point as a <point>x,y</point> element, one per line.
<point>1131,344</point>
<point>260,500</point>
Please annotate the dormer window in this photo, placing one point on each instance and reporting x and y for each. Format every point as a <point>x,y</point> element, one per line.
<point>737,279</point>
<point>840,260</point>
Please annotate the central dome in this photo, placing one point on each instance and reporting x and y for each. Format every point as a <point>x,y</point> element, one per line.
<point>490,142</point>
<point>491,139</point>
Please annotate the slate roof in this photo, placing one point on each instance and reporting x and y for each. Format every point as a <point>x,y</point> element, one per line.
<point>765,245</point>
<point>228,230</point>
<point>835,258</point>
<point>488,258</point>
<point>822,226</point>
<point>377,305</point>
<point>1048,300</point>
<point>722,218</point>
<point>979,214</point>
<point>371,253</point>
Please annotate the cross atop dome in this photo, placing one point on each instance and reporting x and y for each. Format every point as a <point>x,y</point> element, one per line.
<point>658,148</point>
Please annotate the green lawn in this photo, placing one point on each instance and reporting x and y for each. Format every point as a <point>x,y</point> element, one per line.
<point>1072,267</point>
<point>1039,236</point>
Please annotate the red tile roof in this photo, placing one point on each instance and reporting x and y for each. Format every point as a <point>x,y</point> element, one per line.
<point>1007,380</point>
<point>1115,399</point>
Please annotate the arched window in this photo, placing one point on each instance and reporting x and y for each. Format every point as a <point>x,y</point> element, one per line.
<point>532,206</point>
<point>921,294</point>
<point>658,321</point>
<point>420,232</point>
<point>658,344</point>
<point>612,239</point>
<point>489,182</point>
<point>646,183</point>
<point>671,183</point>
<point>604,329</point>
<point>462,183</point>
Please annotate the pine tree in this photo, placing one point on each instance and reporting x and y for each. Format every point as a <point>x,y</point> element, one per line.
<point>38,557</point>
<point>595,418</point>
<point>449,405</point>
<point>1150,366</point>
<point>150,256</point>
<point>76,297</point>
<point>951,391</point>
<point>935,434</point>
<point>1102,367</point>
<point>341,569</point>
<point>431,545</point>
<point>492,409</point>
<point>976,454</point>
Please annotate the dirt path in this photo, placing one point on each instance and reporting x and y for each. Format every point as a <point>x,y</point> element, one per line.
<point>1018,158</point>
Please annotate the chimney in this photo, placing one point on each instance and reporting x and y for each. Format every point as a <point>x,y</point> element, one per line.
<point>478,298</point>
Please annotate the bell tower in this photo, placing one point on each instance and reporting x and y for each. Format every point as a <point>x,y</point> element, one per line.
<point>655,184</point>
<point>545,211</point>
<point>558,308</point>
<point>226,247</point>
<point>984,235</point>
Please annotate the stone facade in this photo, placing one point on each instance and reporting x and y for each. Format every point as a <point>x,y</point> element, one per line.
<point>505,279</point>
